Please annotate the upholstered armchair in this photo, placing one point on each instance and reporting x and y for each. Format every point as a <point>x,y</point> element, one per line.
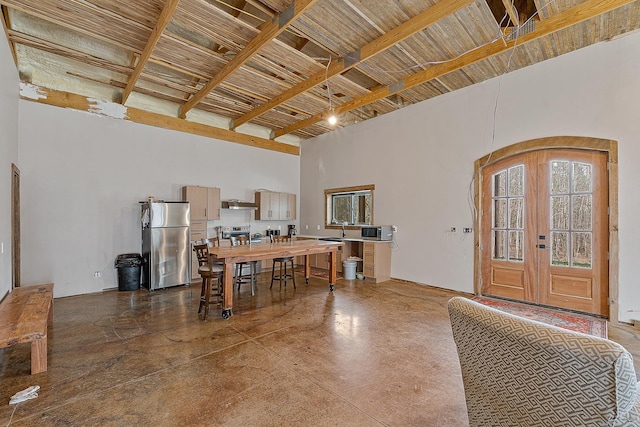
<point>519,372</point>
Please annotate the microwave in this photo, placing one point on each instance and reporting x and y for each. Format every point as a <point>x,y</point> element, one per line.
<point>377,232</point>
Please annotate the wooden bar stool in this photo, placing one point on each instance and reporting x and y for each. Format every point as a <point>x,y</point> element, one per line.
<point>282,261</point>
<point>244,278</point>
<point>212,274</point>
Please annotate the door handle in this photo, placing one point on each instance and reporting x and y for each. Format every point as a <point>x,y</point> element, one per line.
<point>541,246</point>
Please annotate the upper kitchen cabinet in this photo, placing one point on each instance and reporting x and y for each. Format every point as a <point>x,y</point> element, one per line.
<point>268,205</point>
<point>274,206</point>
<point>289,206</point>
<point>213,203</point>
<point>204,201</point>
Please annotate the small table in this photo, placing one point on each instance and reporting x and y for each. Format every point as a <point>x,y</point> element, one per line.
<point>25,314</point>
<point>233,254</point>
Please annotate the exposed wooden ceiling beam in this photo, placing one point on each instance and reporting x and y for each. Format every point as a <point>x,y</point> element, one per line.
<point>7,25</point>
<point>301,43</point>
<point>539,8</point>
<point>261,7</point>
<point>240,8</point>
<point>36,43</point>
<point>511,11</point>
<point>387,40</point>
<point>164,18</point>
<point>79,102</point>
<point>268,33</point>
<point>569,17</point>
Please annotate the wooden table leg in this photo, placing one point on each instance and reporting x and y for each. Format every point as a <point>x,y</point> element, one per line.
<point>227,290</point>
<point>333,258</point>
<point>307,268</point>
<point>50,318</point>
<point>39,355</point>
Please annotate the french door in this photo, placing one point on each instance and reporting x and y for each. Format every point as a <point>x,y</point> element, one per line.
<point>15,226</point>
<point>545,229</point>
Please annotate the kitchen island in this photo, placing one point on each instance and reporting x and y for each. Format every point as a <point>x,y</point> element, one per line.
<point>230,255</point>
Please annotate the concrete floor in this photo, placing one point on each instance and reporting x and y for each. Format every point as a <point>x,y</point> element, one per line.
<point>365,355</point>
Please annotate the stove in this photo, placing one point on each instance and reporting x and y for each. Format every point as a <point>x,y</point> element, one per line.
<point>226,232</point>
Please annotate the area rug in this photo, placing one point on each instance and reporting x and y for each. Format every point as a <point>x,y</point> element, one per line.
<point>563,319</point>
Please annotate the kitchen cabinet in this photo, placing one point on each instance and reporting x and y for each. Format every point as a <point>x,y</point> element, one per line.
<point>274,206</point>
<point>204,202</point>
<point>267,202</point>
<point>213,203</point>
<point>320,260</point>
<point>287,206</point>
<point>376,261</point>
<point>204,205</point>
<point>375,258</point>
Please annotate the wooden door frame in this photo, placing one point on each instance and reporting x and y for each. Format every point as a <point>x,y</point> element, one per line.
<point>15,227</point>
<point>607,146</point>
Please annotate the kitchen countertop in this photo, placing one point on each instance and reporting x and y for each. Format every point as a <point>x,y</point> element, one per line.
<point>346,239</point>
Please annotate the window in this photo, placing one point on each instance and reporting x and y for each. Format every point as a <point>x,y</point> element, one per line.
<point>508,214</point>
<point>352,206</point>
<point>571,213</point>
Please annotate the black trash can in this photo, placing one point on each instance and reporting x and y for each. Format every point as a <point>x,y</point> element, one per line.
<point>129,267</point>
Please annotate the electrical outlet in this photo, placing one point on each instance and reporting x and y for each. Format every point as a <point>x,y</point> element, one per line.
<point>306,227</point>
<point>97,274</point>
<point>452,229</point>
<point>394,228</point>
<point>317,227</point>
<point>467,230</point>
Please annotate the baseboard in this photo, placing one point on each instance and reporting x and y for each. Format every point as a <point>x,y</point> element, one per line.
<point>432,286</point>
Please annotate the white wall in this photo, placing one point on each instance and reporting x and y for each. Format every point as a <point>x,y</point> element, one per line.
<point>83,175</point>
<point>8,154</point>
<point>421,158</point>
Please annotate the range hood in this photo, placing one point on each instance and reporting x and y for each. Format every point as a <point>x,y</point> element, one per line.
<point>237,204</point>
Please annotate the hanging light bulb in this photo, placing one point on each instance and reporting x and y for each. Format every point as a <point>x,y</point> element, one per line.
<point>332,119</point>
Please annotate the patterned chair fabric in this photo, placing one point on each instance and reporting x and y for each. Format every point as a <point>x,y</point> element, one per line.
<point>519,372</point>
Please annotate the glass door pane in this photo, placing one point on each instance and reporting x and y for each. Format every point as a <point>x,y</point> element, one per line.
<point>571,216</point>
<point>508,212</point>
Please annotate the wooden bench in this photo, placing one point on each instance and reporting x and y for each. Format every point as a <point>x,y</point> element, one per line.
<point>25,314</point>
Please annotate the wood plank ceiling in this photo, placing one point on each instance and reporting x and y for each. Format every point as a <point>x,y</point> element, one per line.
<point>276,69</point>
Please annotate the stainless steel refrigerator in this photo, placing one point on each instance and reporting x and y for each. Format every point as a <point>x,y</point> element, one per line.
<point>165,244</point>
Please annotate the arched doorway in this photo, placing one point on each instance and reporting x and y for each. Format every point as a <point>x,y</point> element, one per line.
<point>15,226</point>
<point>544,223</point>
